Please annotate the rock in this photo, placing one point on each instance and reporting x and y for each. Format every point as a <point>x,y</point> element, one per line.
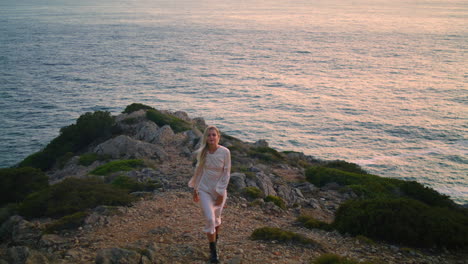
<point>164,136</point>
<point>265,184</point>
<point>200,123</point>
<point>126,147</point>
<point>117,255</point>
<point>25,255</point>
<point>237,181</point>
<point>261,143</point>
<point>182,115</point>
<point>19,231</point>
<point>146,131</point>
<point>55,242</point>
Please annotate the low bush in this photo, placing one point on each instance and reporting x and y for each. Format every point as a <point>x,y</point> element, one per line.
<point>71,196</point>
<point>161,119</point>
<point>132,185</point>
<point>89,128</point>
<point>118,165</point>
<point>135,107</point>
<point>253,192</point>
<point>335,259</point>
<point>89,158</point>
<point>276,200</point>
<point>311,223</point>
<point>372,186</point>
<point>345,166</point>
<point>67,222</point>
<point>266,154</point>
<point>17,183</point>
<point>273,233</point>
<point>405,221</point>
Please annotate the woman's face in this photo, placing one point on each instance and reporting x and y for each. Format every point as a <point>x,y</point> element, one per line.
<point>212,138</point>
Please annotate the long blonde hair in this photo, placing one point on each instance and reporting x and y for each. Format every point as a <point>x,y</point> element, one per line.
<point>201,152</point>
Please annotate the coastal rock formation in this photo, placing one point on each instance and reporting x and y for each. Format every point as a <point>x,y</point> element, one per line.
<point>164,226</point>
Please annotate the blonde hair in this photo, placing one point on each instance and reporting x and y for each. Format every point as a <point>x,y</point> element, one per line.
<point>201,152</point>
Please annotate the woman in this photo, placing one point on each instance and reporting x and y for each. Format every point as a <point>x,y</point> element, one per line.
<point>210,182</point>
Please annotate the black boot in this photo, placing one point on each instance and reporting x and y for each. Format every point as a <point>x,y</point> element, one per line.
<point>214,253</point>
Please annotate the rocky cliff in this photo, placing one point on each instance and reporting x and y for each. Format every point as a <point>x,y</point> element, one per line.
<point>164,225</point>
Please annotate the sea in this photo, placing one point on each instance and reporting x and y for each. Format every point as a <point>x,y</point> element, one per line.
<point>381,83</point>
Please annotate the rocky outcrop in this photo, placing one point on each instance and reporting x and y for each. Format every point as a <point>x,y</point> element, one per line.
<point>125,147</point>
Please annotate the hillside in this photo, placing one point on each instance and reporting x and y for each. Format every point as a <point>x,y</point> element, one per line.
<point>162,225</point>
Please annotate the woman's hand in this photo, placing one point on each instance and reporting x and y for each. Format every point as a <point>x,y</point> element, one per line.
<point>196,198</point>
<point>219,200</point>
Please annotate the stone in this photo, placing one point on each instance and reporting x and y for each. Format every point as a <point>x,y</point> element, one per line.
<point>126,147</point>
<point>146,131</point>
<point>261,143</point>
<point>265,184</point>
<point>25,255</point>
<point>164,136</point>
<point>117,255</point>
<point>237,181</point>
<point>19,231</point>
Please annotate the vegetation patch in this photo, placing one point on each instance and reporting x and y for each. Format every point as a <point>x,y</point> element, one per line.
<point>67,222</point>
<point>90,127</point>
<point>253,192</point>
<point>266,154</point>
<point>118,165</point>
<point>161,119</point>
<point>132,185</point>
<point>71,196</point>
<point>311,223</point>
<point>403,220</point>
<point>345,166</point>
<point>17,183</point>
<point>372,186</point>
<point>273,233</point>
<point>335,259</point>
<point>136,107</point>
<point>276,200</point>
<point>89,158</point>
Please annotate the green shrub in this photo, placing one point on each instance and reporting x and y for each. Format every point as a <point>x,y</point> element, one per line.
<point>135,107</point>
<point>253,192</point>
<point>372,186</point>
<point>345,166</point>
<point>130,184</point>
<point>311,223</point>
<point>17,183</point>
<point>425,194</point>
<point>266,154</point>
<point>89,158</point>
<point>161,119</point>
<point>273,233</point>
<point>71,196</point>
<point>276,200</point>
<point>61,161</point>
<point>117,165</point>
<point>335,259</point>
<point>89,127</point>
<point>67,222</point>
<point>404,221</point>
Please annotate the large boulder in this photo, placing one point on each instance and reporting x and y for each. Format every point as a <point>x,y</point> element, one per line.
<point>126,147</point>
<point>164,136</point>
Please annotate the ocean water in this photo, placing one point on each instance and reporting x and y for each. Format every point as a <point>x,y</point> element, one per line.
<point>378,82</point>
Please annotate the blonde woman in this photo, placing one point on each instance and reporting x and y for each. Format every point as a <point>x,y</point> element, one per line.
<point>210,182</point>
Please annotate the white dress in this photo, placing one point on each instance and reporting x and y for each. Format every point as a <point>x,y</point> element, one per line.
<point>211,181</point>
